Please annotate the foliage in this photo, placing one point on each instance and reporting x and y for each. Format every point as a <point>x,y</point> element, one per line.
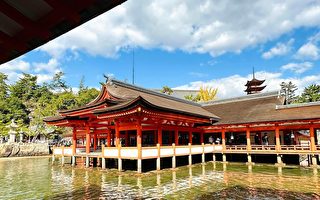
<point>166,90</point>
<point>28,102</point>
<point>205,94</point>
<point>288,91</point>
<point>310,94</point>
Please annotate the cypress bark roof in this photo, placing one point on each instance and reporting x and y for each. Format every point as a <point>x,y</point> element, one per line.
<point>260,108</point>
<point>157,100</point>
<point>116,95</point>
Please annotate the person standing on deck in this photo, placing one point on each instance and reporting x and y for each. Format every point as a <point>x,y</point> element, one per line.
<point>265,139</point>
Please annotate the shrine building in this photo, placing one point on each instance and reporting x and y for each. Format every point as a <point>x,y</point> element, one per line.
<point>130,122</point>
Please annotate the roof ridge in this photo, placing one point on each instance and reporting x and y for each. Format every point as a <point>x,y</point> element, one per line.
<point>298,105</point>
<point>242,98</point>
<point>141,89</point>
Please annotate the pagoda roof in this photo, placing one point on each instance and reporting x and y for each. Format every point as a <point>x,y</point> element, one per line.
<point>256,89</point>
<point>254,81</point>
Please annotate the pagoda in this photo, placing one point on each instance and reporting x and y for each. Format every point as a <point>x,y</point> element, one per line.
<point>254,86</point>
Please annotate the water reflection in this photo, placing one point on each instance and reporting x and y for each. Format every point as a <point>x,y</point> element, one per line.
<point>224,180</point>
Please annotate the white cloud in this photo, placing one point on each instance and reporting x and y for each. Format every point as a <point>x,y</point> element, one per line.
<point>308,51</point>
<point>44,71</point>
<point>297,68</point>
<point>214,27</point>
<point>52,66</point>
<point>233,86</point>
<point>279,50</point>
<point>15,65</point>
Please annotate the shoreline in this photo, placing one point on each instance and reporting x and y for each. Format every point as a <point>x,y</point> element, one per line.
<point>22,157</point>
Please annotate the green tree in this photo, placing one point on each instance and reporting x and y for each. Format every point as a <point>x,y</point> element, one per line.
<point>59,84</point>
<point>166,90</point>
<point>3,86</point>
<point>85,95</point>
<point>288,91</point>
<point>310,94</point>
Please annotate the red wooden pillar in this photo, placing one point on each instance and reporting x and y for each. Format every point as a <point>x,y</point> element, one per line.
<point>74,140</point>
<point>223,139</point>
<point>109,138</point>
<point>312,140</point>
<point>190,137</point>
<point>139,136</point>
<point>117,134</point>
<point>159,136</point>
<point>176,137</point>
<point>88,139</point>
<point>277,132</point>
<point>248,138</point>
<point>155,133</point>
<point>127,138</point>
<point>113,139</point>
<point>95,141</point>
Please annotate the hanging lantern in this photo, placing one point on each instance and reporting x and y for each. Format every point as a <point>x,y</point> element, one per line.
<point>231,136</point>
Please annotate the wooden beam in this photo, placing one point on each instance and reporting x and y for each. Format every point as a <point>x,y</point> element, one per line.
<point>72,16</point>
<point>25,22</point>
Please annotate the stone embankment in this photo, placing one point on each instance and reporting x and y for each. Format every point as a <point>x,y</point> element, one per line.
<point>23,149</point>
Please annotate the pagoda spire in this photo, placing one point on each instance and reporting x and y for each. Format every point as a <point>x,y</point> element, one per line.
<point>253,76</point>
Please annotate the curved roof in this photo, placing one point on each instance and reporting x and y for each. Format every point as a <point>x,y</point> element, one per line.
<point>261,108</point>
<point>120,90</point>
<point>25,25</point>
<point>116,96</point>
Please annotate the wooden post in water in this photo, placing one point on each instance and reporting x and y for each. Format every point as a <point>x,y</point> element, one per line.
<point>314,161</point>
<point>103,159</point>
<point>87,161</point>
<point>53,157</point>
<point>62,155</point>
<point>203,157</point>
<point>158,157</point>
<point>174,156</point>
<point>119,158</point>
<point>190,154</point>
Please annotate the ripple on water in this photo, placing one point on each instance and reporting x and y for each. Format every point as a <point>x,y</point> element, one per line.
<point>36,178</point>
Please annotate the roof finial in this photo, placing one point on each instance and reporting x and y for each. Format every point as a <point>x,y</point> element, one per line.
<point>253,73</point>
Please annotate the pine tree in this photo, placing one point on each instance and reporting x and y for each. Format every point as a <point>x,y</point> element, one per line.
<point>310,94</point>
<point>288,91</point>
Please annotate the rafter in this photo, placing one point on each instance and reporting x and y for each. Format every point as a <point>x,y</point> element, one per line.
<point>25,22</point>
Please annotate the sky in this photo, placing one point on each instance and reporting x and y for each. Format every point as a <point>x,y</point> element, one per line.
<point>186,45</point>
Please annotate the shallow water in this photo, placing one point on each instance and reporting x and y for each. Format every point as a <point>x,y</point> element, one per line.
<point>37,178</point>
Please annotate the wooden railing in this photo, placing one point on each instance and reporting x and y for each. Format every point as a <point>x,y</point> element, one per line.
<point>169,151</point>
<point>295,148</point>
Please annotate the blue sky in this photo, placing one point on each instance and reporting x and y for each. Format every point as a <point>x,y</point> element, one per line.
<point>187,44</point>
